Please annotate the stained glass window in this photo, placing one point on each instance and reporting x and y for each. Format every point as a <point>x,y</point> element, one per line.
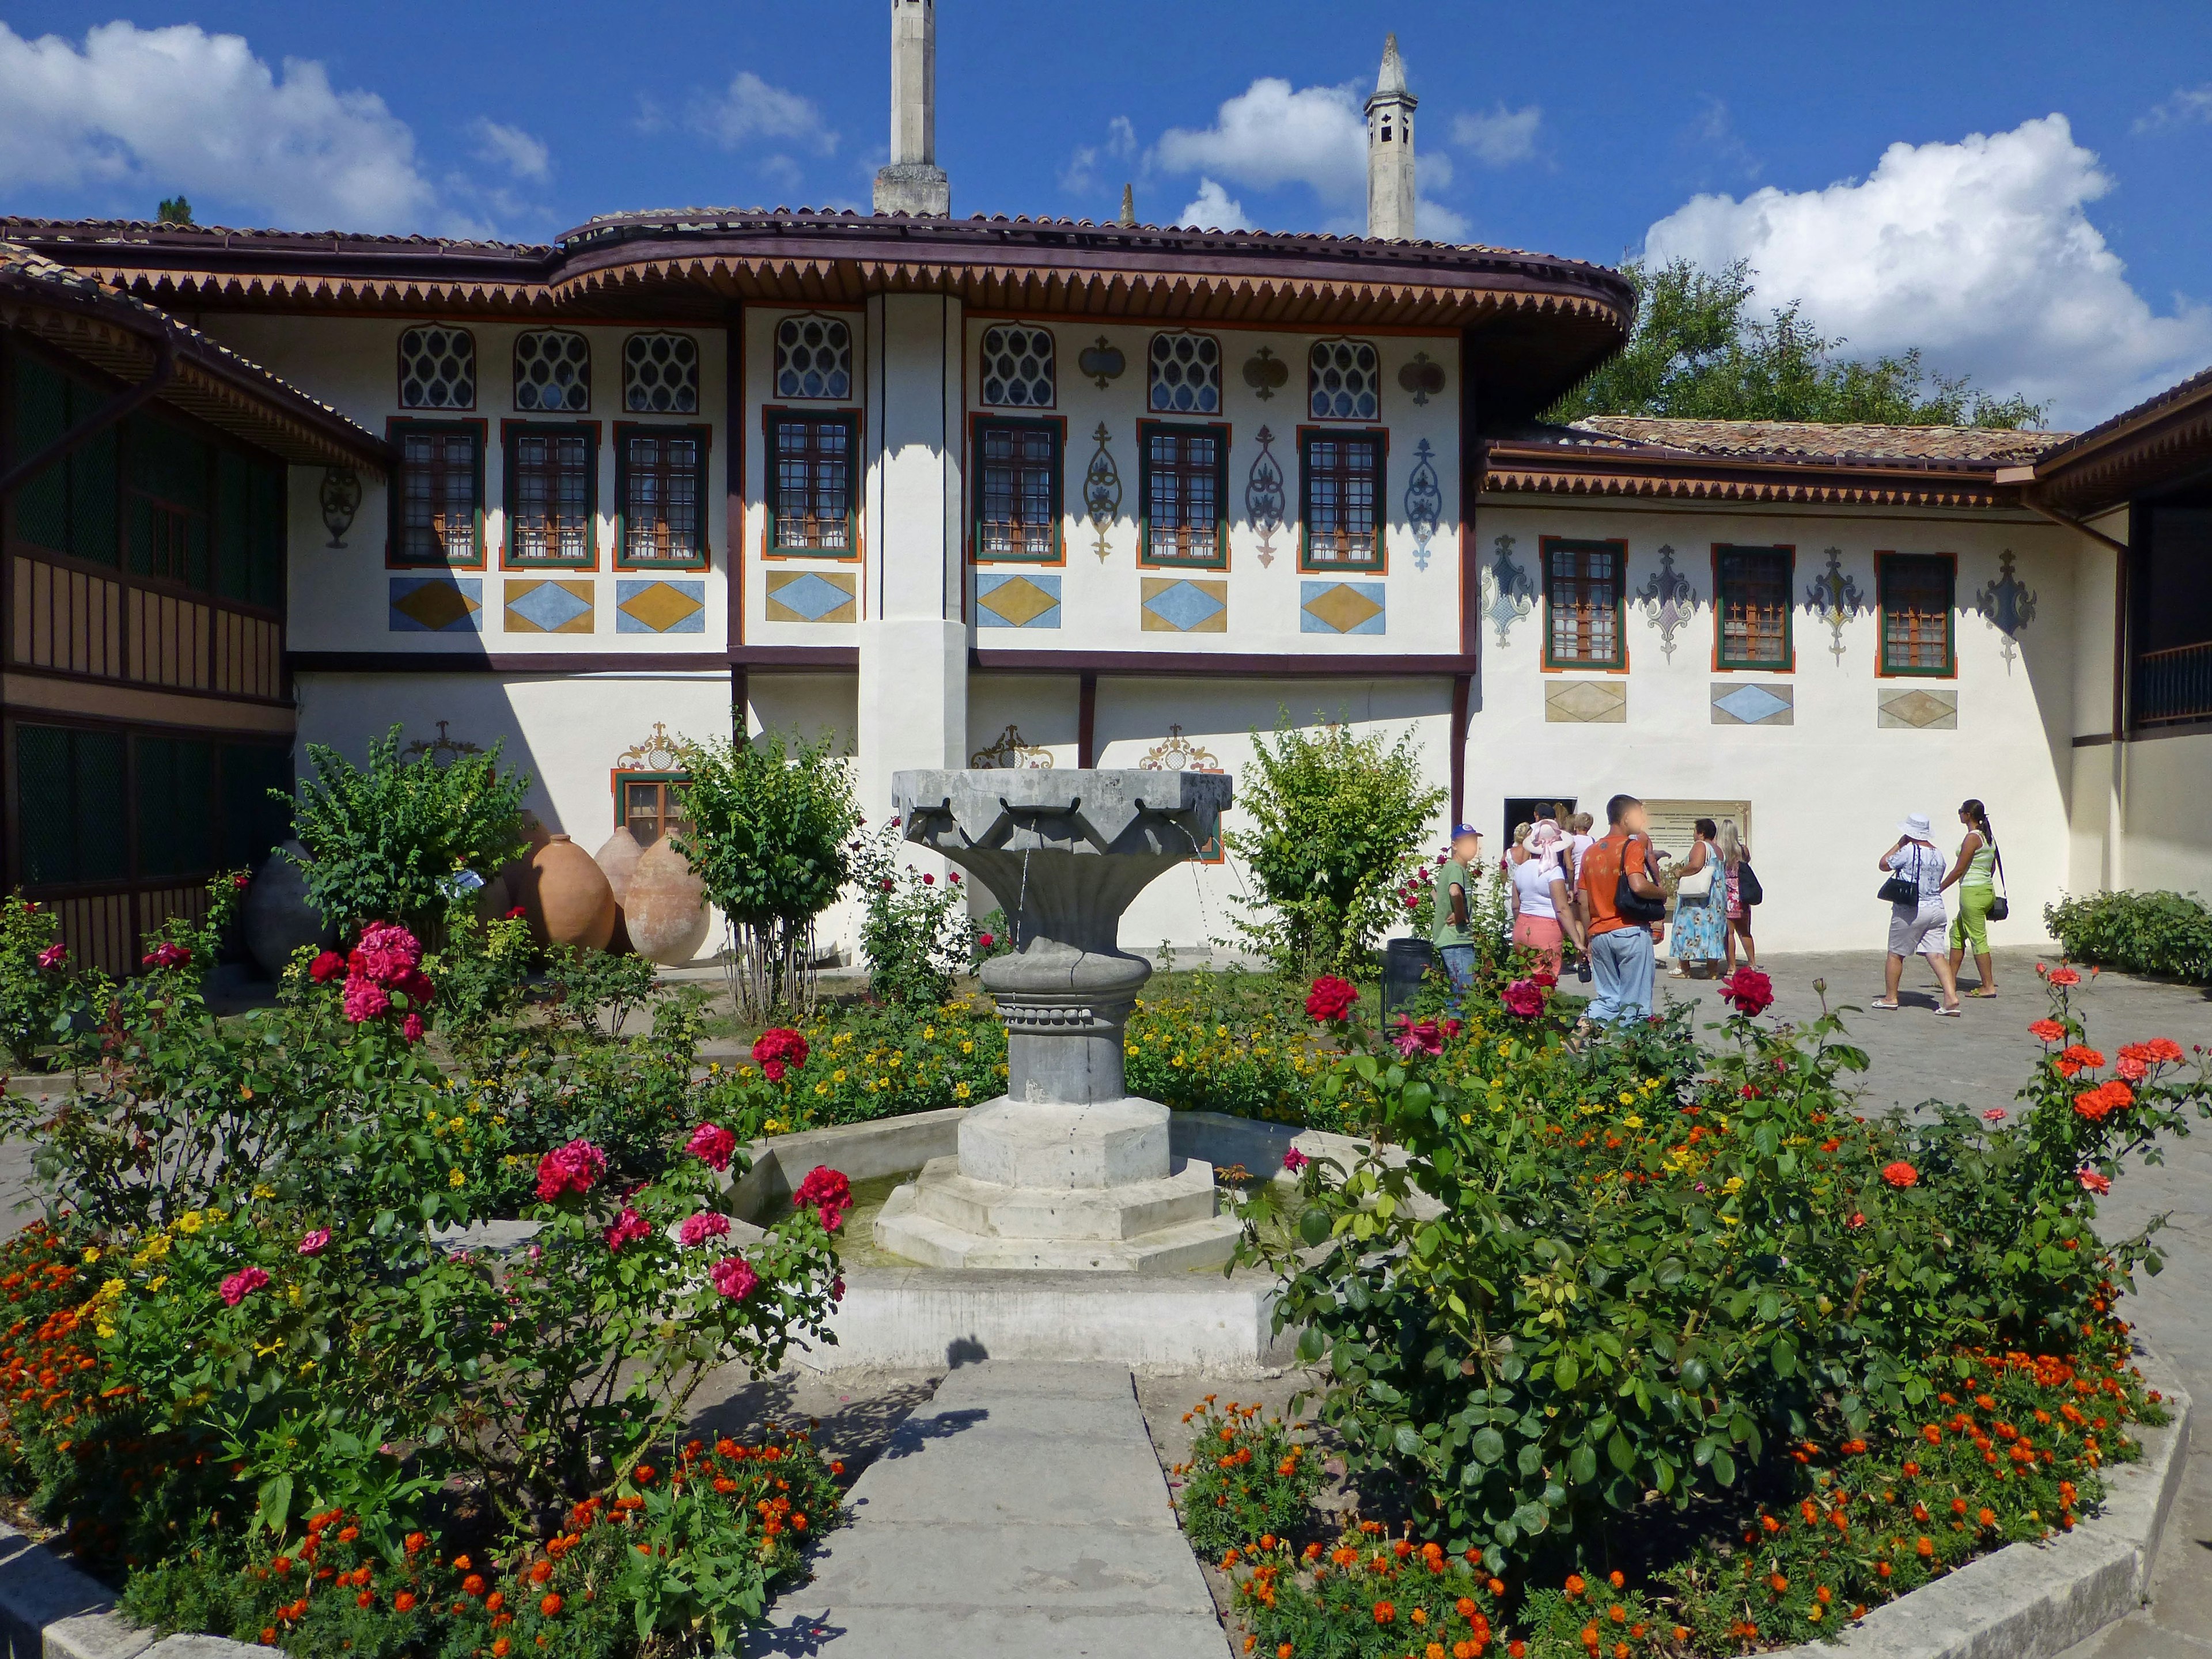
<point>1342,506</point>
<point>810,493</point>
<point>1343,381</point>
<point>814,357</point>
<point>1753,585</point>
<point>1018,497</point>
<point>1581,604</point>
<point>660,374</point>
<point>1185,374</point>
<point>437,368</point>
<point>1017,367</point>
<point>552,477</point>
<point>552,371</point>
<point>1916,601</point>
<point>1185,485</point>
<point>661,476</point>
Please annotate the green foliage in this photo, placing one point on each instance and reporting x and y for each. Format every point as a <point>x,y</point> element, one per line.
<point>482,970</point>
<point>914,929</point>
<point>588,987</point>
<point>1244,1477</point>
<point>1697,353</point>
<point>385,841</point>
<point>1232,1043</point>
<point>1335,816</point>
<point>174,211</point>
<point>44,1000</point>
<point>866,1063</point>
<point>2164,934</point>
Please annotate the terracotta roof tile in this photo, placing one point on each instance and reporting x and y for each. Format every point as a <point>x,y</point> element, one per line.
<point>1966,445</point>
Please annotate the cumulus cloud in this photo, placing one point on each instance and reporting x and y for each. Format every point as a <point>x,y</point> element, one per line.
<point>749,109</point>
<point>2190,105</point>
<point>1082,172</point>
<point>139,113</point>
<point>525,156</point>
<point>1212,209</point>
<point>1982,252</point>
<point>1501,137</point>
<point>1271,135</point>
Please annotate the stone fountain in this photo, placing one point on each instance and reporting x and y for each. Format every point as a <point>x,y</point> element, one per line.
<point>1066,1169</point>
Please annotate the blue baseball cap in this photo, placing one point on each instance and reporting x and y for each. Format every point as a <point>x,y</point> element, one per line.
<point>1459,829</point>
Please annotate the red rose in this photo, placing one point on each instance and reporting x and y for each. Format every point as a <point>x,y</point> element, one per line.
<point>1330,1000</point>
<point>1525,999</point>
<point>1900,1174</point>
<point>326,968</point>
<point>828,1193</point>
<point>2046,1031</point>
<point>1751,991</point>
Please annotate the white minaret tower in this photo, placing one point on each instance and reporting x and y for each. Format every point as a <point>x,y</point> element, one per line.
<point>913,183</point>
<point>1390,150</point>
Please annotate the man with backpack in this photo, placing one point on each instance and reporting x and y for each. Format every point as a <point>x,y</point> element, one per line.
<point>1624,906</point>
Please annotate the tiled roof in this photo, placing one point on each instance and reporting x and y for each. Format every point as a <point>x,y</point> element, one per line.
<point>152,233</point>
<point>1966,445</point>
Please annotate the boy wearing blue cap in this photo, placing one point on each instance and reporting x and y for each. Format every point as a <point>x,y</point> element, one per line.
<point>1453,931</point>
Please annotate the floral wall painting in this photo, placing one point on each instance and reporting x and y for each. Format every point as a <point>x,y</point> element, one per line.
<point>1835,600</point>
<point>1425,501</point>
<point>1102,362</point>
<point>1421,377</point>
<point>339,497</point>
<point>1102,491</point>
<point>1011,754</point>
<point>1264,499</point>
<point>1265,373</point>
<point>1668,600</point>
<point>1509,592</point>
<point>2007,605</point>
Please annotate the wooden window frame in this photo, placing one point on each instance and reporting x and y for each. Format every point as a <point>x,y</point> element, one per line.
<point>1309,436</point>
<point>665,781</point>
<point>1054,428</point>
<point>511,431</point>
<point>1546,546</point>
<point>1219,430</point>
<point>623,432</point>
<point>1884,563</point>
<point>395,432</point>
<point>1787,662</point>
<point>772,491</point>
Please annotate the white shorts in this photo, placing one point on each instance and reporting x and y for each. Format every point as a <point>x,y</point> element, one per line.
<point>1921,932</point>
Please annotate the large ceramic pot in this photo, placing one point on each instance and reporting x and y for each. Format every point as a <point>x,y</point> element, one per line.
<point>666,912</point>
<point>566,898</point>
<point>617,859</point>
<point>276,919</point>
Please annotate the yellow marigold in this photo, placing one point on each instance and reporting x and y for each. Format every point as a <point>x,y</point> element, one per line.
<point>457,1180</point>
<point>189,1221</point>
<point>837,1076</point>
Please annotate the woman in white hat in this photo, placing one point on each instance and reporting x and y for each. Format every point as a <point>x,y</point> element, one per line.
<point>1918,924</point>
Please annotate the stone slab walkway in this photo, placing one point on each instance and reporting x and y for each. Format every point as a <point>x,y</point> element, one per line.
<point>1020,1511</point>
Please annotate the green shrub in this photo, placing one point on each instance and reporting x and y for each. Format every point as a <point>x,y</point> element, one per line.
<point>2164,934</point>
<point>914,929</point>
<point>1244,1479</point>
<point>44,998</point>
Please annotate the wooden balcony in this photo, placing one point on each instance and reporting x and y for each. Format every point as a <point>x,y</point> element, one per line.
<point>2173,685</point>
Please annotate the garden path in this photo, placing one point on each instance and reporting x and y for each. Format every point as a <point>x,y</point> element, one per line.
<point>1020,1511</point>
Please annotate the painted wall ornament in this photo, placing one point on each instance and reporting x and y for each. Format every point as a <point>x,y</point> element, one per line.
<point>1102,362</point>
<point>1835,598</point>
<point>1266,373</point>
<point>1177,753</point>
<point>1011,754</point>
<point>1263,496</point>
<point>1425,501</point>
<point>339,496</point>
<point>655,752</point>
<point>1668,600</point>
<point>442,746</point>
<point>1101,492</point>
<point>1509,591</point>
<point>1421,377</point>
<point>2007,605</point>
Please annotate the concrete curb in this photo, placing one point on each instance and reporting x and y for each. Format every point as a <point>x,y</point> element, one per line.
<point>2033,1600</point>
<point>50,1610</point>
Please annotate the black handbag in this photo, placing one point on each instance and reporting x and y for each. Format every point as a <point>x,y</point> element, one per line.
<point>1631,905</point>
<point>1749,892</point>
<point>1898,891</point>
<point>2000,907</point>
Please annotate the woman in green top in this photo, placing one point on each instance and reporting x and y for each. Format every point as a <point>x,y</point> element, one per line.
<point>1975,874</point>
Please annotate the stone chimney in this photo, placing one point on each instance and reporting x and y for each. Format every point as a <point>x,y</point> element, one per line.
<point>1390,150</point>
<point>913,183</point>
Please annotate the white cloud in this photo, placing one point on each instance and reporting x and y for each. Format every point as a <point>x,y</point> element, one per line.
<point>1981,251</point>
<point>2188,105</point>
<point>1082,175</point>
<point>1714,130</point>
<point>148,112</point>
<point>750,109</point>
<point>1214,209</point>
<point>520,154</point>
<point>1501,137</point>
<point>1270,135</point>
<point>1435,222</point>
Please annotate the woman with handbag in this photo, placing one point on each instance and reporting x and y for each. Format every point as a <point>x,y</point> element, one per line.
<point>1743,891</point>
<point>1917,919</point>
<point>1700,901</point>
<point>1980,867</point>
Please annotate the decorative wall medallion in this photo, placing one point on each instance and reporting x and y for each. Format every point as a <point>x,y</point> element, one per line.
<point>549,607</point>
<point>1102,362</point>
<point>437,604</point>
<point>2007,605</point>
<point>1102,491</point>
<point>1263,496</point>
<point>661,607</point>
<point>1178,754</point>
<point>1343,381</point>
<point>437,368</point>
<point>659,752</point>
<point>1265,373</point>
<point>552,371</point>
<point>1018,371</point>
<point>1423,378</point>
<point>1736,703</point>
<point>1509,591</point>
<point>1835,598</point>
<point>1668,600</point>
<point>1326,607</point>
<point>660,374</point>
<point>339,496</point>
<point>443,746</point>
<point>813,596</point>
<point>1585,703</point>
<point>1017,601</point>
<point>1921,711</point>
<point>1010,754</point>
<point>1177,605</point>
<point>1425,501</point>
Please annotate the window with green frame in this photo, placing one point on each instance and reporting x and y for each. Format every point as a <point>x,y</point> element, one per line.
<point>1183,481</point>
<point>552,493</point>
<point>70,507</point>
<point>650,805</point>
<point>1582,603</point>
<point>1918,598</point>
<point>439,491</point>
<point>1016,499</point>
<point>660,488</point>
<point>1751,606</point>
<point>1341,513</point>
<point>72,807</point>
<point>813,464</point>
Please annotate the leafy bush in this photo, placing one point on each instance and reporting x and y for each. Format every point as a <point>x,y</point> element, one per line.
<point>1228,1042</point>
<point>1245,1479</point>
<point>914,930</point>
<point>2165,933</point>
<point>872,1062</point>
<point>43,997</point>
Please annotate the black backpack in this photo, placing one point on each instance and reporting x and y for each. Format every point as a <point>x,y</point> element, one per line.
<point>1631,905</point>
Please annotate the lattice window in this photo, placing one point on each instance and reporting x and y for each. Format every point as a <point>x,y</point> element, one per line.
<point>1581,602</point>
<point>660,374</point>
<point>1185,485</point>
<point>71,791</point>
<point>552,491</point>
<point>661,477</point>
<point>814,357</point>
<point>1185,374</point>
<point>165,501</point>
<point>440,490</point>
<point>651,805</point>
<point>1754,588</point>
<point>1917,603</point>
<point>552,372</point>
<point>1343,381</point>
<point>437,368</point>
<point>1342,505</point>
<point>811,485</point>
<point>1017,367</point>
<point>1018,499</point>
<point>250,531</point>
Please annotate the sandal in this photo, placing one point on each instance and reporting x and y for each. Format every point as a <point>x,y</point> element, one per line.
<point>1981,992</point>
<point>1954,1011</point>
<point>1886,1007</point>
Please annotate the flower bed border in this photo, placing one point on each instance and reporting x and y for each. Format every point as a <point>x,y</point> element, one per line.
<point>50,1609</point>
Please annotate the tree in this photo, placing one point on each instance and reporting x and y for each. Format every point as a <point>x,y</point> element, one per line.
<point>174,211</point>
<point>1698,352</point>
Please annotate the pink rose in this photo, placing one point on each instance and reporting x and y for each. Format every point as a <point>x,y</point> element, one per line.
<point>2094,1183</point>
<point>316,1243</point>
<point>628,1226</point>
<point>1995,1115</point>
<point>698,1229</point>
<point>53,958</point>
<point>242,1285</point>
<point>734,1278</point>
<point>570,1169</point>
<point>712,1145</point>
<point>1422,1039</point>
<point>386,953</point>
<point>365,1000</point>
<point>1294,1160</point>
<point>411,1028</point>
<point>1524,999</point>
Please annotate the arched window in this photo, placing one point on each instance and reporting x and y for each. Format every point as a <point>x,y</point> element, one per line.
<point>660,374</point>
<point>1186,375</point>
<point>437,368</point>
<point>1343,381</point>
<point>552,371</point>
<point>1018,367</point>
<point>814,358</point>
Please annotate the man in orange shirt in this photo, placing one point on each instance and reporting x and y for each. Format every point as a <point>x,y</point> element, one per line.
<point>1620,945</point>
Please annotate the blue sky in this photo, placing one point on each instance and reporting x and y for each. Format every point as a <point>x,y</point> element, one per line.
<point>2020,188</point>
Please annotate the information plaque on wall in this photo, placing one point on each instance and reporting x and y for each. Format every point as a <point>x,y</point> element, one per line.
<point>1673,822</point>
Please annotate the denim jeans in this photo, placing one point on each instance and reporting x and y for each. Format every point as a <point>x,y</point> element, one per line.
<point>1621,962</point>
<point>1459,967</point>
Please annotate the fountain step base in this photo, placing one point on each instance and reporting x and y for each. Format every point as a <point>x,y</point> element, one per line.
<point>913,1224</point>
<point>1107,1214</point>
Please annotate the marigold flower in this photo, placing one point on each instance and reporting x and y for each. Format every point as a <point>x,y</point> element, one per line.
<point>1384,1613</point>
<point>1923,1547</point>
<point>1576,1583</point>
<point>1900,1174</point>
<point>404,1602</point>
<point>549,1606</point>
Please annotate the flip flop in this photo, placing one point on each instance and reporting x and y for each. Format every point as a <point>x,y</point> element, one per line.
<point>1952,1013</point>
<point>1886,1007</point>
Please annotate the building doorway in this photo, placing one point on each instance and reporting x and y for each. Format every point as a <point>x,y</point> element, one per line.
<point>1521,809</point>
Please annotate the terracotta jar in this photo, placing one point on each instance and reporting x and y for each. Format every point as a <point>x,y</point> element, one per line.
<point>666,913</point>
<point>276,918</point>
<point>495,898</point>
<point>617,859</point>
<point>568,899</point>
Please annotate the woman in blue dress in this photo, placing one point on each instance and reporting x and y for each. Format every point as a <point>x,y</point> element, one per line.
<point>1700,906</point>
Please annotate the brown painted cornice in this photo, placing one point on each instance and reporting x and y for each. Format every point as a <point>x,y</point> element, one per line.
<point>1513,467</point>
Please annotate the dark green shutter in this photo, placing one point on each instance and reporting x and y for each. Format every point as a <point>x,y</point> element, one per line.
<point>103,830</point>
<point>69,787</point>
<point>267,585</point>
<point>234,528</point>
<point>41,416</point>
